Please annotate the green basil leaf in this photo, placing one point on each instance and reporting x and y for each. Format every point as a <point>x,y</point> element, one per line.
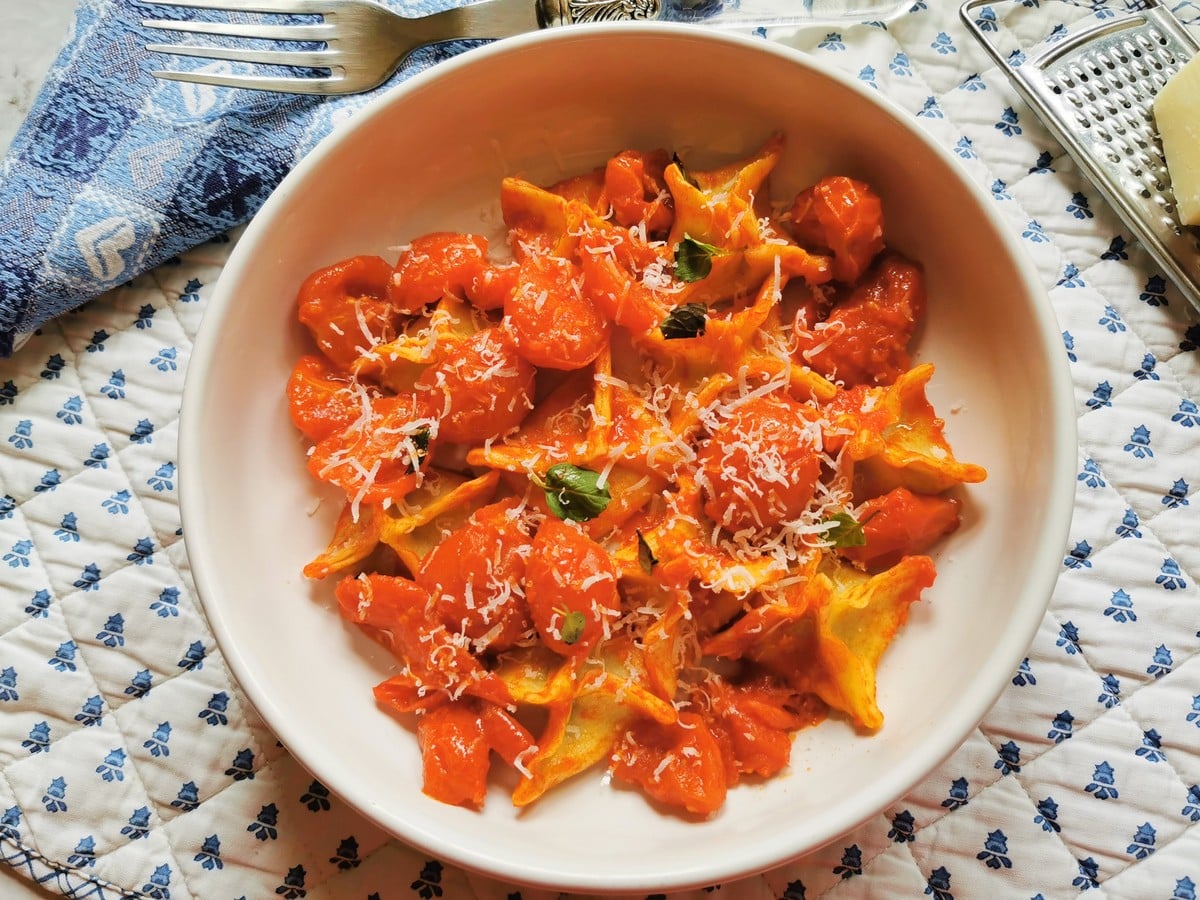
<point>645,555</point>
<point>843,530</point>
<point>574,493</point>
<point>420,443</point>
<point>693,258</point>
<point>687,321</point>
<point>573,625</point>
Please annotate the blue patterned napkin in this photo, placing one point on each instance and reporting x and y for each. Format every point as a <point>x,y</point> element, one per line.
<point>115,172</point>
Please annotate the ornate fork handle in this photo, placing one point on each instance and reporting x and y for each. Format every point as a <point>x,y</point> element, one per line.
<point>568,12</point>
<point>723,12</point>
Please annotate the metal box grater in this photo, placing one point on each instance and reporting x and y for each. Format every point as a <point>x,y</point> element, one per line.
<point>1094,90</point>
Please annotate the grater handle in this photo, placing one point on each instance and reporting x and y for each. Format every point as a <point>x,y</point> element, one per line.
<point>965,12</point>
<point>980,34</point>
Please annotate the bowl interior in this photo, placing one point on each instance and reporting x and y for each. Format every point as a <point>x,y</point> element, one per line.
<point>430,156</point>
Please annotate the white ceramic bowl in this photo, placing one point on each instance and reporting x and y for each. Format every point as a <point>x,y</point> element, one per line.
<point>430,155</point>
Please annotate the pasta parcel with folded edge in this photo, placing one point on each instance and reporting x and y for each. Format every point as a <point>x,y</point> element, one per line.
<point>652,486</point>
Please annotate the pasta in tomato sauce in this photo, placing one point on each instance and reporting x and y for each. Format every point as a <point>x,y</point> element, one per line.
<point>653,486</point>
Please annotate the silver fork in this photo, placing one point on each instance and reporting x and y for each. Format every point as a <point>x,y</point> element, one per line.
<point>365,42</point>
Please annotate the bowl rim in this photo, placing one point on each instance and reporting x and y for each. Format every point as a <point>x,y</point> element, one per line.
<point>753,859</point>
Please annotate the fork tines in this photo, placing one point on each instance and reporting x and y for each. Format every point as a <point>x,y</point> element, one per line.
<point>284,7</point>
<point>318,32</point>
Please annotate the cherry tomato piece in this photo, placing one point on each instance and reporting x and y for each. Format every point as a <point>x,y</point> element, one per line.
<point>472,573</point>
<point>442,263</point>
<point>454,754</point>
<point>554,323</point>
<point>509,738</point>
<point>901,523</point>
<point>375,461</point>
<point>680,764</point>
<point>571,588</point>
<point>864,340</point>
<point>638,192</point>
<point>491,288</point>
<point>843,216</point>
<point>755,721</point>
<point>379,601</point>
<point>379,460</point>
<point>405,694</point>
<point>615,292</point>
<point>321,400</point>
<point>481,389</point>
<point>761,466</point>
<point>345,308</point>
<point>394,609</point>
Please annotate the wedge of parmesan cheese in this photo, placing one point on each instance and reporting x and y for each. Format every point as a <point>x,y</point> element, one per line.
<point>1177,114</point>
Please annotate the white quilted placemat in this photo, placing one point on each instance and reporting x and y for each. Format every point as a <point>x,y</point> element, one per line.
<point>132,765</point>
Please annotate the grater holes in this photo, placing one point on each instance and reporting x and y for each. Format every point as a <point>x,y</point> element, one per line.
<point>1155,37</point>
<point>1166,207</point>
<point>1084,113</point>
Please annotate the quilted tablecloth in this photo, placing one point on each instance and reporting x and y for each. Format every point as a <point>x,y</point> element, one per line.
<point>133,766</point>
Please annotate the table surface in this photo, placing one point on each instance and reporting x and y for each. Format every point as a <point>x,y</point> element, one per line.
<point>1083,777</point>
<point>32,35</point>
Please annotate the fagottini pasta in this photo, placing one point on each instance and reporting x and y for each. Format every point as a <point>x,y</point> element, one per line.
<point>650,485</point>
